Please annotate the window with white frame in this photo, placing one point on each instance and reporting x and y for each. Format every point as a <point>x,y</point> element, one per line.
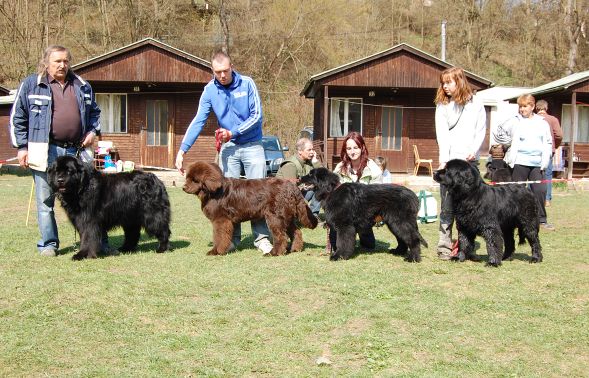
<point>392,128</point>
<point>113,112</point>
<point>582,124</point>
<point>346,116</point>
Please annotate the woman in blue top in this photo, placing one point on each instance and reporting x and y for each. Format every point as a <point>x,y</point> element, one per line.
<point>529,139</point>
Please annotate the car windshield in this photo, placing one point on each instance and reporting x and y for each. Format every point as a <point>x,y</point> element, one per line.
<point>270,144</point>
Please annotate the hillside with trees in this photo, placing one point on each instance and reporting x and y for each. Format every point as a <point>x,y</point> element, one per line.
<point>282,43</point>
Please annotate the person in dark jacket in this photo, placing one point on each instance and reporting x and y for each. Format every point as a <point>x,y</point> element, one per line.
<point>54,114</point>
<point>300,165</point>
<point>556,130</point>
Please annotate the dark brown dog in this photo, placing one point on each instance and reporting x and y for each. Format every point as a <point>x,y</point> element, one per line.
<point>226,201</point>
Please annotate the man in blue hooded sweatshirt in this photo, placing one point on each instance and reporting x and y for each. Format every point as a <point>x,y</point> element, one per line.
<point>235,100</point>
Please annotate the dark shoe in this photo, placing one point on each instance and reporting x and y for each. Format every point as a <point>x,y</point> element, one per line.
<point>547,226</point>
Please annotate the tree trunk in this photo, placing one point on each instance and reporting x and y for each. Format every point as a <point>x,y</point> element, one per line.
<point>575,26</point>
<point>223,19</point>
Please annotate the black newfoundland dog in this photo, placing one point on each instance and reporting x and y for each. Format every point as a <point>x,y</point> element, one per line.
<point>498,171</point>
<point>491,212</point>
<point>354,208</point>
<point>96,202</point>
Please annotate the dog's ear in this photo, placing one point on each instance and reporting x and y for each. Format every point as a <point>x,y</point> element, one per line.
<point>86,171</point>
<point>51,171</point>
<point>213,178</point>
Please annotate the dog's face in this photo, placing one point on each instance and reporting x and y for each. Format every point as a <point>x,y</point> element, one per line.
<point>203,178</point>
<point>498,171</point>
<point>67,174</point>
<point>459,176</point>
<point>320,180</point>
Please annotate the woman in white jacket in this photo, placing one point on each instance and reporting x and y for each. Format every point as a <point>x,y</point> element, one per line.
<point>460,131</point>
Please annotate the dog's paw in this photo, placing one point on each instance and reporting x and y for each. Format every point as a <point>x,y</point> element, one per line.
<point>212,252</point>
<point>335,257</point>
<point>494,262</point>
<point>412,258</point>
<point>81,256</point>
<point>163,248</point>
<point>536,259</point>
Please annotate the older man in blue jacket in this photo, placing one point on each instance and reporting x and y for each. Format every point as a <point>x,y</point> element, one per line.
<point>54,114</point>
<point>235,101</point>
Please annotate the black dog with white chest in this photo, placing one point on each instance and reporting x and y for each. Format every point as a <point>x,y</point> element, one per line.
<point>493,212</point>
<point>352,208</point>
<point>96,202</point>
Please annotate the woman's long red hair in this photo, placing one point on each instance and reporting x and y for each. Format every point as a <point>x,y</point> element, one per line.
<point>347,162</point>
<point>463,92</point>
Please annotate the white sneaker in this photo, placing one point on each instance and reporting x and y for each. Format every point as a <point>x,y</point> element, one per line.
<point>265,246</point>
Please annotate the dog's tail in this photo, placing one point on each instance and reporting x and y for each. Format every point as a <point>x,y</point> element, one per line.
<point>422,240</point>
<point>304,214</point>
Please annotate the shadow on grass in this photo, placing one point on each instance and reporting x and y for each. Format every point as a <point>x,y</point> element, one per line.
<point>148,246</point>
<point>248,243</point>
<point>14,170</point>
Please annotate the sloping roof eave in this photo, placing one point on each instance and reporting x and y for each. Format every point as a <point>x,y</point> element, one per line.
<point>558,85</point>
<point>140,43</point>
<point>311,83</point>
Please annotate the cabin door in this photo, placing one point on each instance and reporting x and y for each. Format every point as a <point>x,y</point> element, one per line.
<point>389,138</point>
<point>157,136</point>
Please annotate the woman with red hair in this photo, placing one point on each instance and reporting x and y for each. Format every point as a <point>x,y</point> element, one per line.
<point>355,165</point>
<point>460,131</point>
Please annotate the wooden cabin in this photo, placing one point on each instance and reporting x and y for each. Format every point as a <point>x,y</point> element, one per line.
<point>148,93</point>
<point>568,100</point>
<point>389,98</point>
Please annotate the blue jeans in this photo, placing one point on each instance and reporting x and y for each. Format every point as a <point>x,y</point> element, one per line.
<point>548,175</point>
<point>251,156</point>
<point>314,205</point>
<point>45,200</point>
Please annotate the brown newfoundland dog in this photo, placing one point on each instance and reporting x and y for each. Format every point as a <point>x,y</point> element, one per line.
<point>226,201</point>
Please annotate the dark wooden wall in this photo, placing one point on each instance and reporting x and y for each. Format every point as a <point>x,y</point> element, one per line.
<point>401,70</point>
<point>147,64</point>
<point>6,149</point>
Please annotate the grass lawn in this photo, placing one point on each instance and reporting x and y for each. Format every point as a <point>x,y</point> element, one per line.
<point>183,313</point>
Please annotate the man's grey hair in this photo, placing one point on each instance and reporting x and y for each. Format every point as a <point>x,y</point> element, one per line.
<point>44,62</point>
<point>301,143</point>
<point>541,105</point>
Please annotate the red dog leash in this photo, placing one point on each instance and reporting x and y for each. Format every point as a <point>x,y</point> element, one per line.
<point>218,139</point>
